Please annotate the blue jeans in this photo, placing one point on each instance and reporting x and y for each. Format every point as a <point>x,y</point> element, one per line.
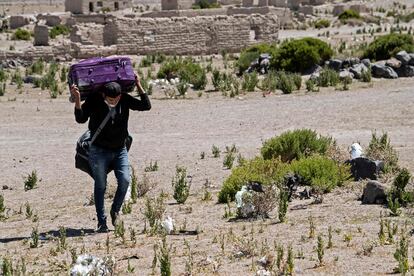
<point>100,160</point>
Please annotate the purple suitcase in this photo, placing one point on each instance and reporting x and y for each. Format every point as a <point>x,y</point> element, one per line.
<point>90,75</point>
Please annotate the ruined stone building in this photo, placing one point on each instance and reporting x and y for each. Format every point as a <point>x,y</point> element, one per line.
<point>91,6</point>
<point>180,4</point>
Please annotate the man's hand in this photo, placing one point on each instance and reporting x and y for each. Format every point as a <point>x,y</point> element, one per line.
<point>74,91</point>
<point>138,84</point>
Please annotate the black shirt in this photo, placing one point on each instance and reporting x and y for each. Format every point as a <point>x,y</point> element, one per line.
<point>115,131</point>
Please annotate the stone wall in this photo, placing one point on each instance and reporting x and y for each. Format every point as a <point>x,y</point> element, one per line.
<point>92,6</point>
<point>87,34</point>
<point>183,35</point>
<point>176,4</point>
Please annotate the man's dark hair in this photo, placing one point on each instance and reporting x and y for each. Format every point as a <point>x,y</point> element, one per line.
<point>112,89</point>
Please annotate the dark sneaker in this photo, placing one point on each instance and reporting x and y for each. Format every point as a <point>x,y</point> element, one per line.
<point>114,218</point>
<point>102,228</point>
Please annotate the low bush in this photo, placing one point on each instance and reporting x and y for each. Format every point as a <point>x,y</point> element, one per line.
<point>322,23</point>
<point>3,75</point>
<point>295,144</point>
<point>384,47</point>
<point>251,53</point>
<point>398,191</point>
<point>258,170</point>
<point>328,77</point>
<point>321,173</point>
<point>250,81</point>
<point>186,70</point>
<point>59,30</point>
<point>205,4</point>
<point>380,148</point>
<point>269,82</point>
<point>37,67</point>
<point>349,14</point>
<point>21,34</point>
<point>285,82</point>
<point>301,54</point>
<point>181,185</point>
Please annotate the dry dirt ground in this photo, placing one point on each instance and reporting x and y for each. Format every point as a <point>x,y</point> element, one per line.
<point>39,133</point>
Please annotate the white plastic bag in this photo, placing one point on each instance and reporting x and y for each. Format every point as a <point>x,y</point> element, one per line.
<point>356,151</point>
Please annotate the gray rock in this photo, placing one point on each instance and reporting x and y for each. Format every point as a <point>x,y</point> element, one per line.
<point>374,193</point>
<point>314,69</point>
<point>404,57</point>
<point>405,71</point>
<point>411,59</point>
<point>383,71</point>
<point>366,62</point>
<point>393,63</point>
<point>349,62</point>
<point>358,69</point>
<point>345,73</point>
<point>335,64</point>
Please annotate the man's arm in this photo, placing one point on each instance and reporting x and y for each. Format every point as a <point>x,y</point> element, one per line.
<point>81,111</point>
<point>144,103</point>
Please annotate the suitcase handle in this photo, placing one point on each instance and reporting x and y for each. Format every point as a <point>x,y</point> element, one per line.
<point>90,71</point>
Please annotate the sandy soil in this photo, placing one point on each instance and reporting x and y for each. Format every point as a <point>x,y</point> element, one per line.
<point>38,133</point>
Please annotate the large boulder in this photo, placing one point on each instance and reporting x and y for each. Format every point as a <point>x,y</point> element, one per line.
<point>335,64</point>
<point>393,63</point>
<point>358,70</point>
<point>374,193</point>
<point>383,71</point>
<point>404,57</point>
<point>345,74</point>
<point>366,62</point>
<point>411,59</point>
<point>349,62</point>
<point>365,168</point>
<point>405,71</point>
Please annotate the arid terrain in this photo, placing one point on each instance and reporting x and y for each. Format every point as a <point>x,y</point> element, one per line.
<point>39,133</point>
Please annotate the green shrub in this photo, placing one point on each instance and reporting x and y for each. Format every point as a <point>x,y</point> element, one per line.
<point>3,75</point>
<point>30,181</point>
<point>295,144</point>
<point>321,173</point>
<point>59,30</point>
<point>407,17</point>
<point>250,81</point>
<point>349,14</point>
<point>186,70</point>
<point>269,82</point>
<point>37,67</point>
<point>285,82</point>
<point>311,85</point>
<point>2,88</point>
<point>180,185</point>
<point>21,34</point>
<point>297,80</point>
<point>380,148</point>
<point>398,189</point>
<point>387,46</point>
<point>366,75</point>
<point>301,54</point>
<point>205,4</point>
<point>328,77</point>
<point>251,53</point>
<point>322,23</point>
<point>257,169</point>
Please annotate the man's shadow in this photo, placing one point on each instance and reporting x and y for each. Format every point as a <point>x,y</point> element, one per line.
<point>70,233</point>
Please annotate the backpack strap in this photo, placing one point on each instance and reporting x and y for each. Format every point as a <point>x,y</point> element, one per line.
<point>102,125</point>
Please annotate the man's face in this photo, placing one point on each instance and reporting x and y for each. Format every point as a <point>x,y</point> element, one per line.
<point>113,101</point>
